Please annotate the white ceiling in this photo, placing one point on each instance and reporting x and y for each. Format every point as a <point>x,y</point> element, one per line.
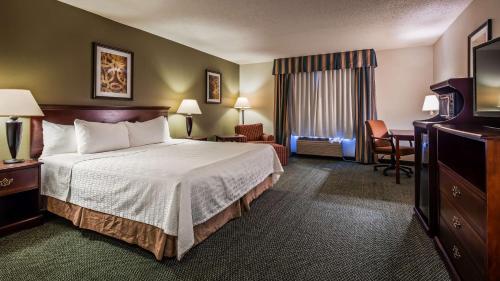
<point>250,31</point>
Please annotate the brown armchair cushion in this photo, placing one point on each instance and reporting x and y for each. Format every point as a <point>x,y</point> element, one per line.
<point>254,133</point>
<point>266,137</point>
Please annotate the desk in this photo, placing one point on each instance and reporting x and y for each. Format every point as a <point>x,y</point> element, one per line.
<point>400,135</point>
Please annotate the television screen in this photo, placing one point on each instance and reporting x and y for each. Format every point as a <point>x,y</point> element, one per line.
<point>487,79</point>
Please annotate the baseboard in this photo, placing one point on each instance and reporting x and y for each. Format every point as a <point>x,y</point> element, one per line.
<point>447,262</point>
<point>307,156</point>
<point>423,223</point>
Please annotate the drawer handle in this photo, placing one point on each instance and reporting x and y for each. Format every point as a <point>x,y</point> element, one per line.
<point>456,191</point>
<point>456,222</point>
<point>6,182</point>
<point>456,252</point>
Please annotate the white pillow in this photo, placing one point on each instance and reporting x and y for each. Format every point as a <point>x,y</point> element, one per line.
<point>92,137</point>
<point>148,132</point>
<point>58,139</point>
<point>166,130</point>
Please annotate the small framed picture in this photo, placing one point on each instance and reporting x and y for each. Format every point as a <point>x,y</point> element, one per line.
<point>112,73</point>
<point>214,91</point>
<point>479,36</point>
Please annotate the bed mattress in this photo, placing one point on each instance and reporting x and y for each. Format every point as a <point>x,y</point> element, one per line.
<point>173,186</point>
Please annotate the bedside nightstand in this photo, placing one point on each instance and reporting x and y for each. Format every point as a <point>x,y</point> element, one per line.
<point>19,196</point>
<point>233,138</point>
<point>197,138</point>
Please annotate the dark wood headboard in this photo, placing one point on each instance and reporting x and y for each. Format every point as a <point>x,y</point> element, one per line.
<point>66,115</point>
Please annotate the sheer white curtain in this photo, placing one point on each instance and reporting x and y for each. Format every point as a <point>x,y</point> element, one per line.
<point>322,104</point>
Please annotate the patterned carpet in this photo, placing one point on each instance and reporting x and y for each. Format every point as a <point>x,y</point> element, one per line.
<point>325,220</point>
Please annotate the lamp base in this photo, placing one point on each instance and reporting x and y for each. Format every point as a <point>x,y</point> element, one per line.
<point>189,125</point>
<point>13,132</point>
<point>13,161</point>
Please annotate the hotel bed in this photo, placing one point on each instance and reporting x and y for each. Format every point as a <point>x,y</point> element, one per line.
<point>164,197</point>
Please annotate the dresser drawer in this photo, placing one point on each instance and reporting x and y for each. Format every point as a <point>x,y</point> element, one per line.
<point>18,180</point>
<point>457,254</point>
<point>463,232</point>
<point>468,200</point>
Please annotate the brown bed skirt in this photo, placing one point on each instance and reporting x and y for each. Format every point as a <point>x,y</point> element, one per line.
<point>147,236</point>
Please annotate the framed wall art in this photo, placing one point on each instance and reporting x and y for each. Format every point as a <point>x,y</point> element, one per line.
<point>112,73</point>
<point>479,36</point>
<point>214,91</point>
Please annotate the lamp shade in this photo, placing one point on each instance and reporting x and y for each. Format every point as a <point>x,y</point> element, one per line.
<point>189,107</point>
<point>242,103</point>
<point>431,103</point>
<point>20,103</point>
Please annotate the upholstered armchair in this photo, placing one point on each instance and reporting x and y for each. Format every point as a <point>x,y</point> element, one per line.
<point>254,133</point>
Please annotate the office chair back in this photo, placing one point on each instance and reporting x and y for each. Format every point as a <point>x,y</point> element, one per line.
<point>378,129</point>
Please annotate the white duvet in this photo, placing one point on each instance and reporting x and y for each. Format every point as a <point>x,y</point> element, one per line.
<point>173,186</point>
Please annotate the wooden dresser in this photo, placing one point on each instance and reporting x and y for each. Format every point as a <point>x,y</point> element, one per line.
<point>426,167</point>
<point>469,201</point>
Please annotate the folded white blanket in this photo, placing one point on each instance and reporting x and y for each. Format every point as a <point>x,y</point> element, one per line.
<point>174,186</point>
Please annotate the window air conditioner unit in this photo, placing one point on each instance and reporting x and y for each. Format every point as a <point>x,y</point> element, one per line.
<point>319,147</point>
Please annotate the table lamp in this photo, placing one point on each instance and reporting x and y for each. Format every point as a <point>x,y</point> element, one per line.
<point>189,107</point>
<point>431,104</point>
<point>242,104</point>
<point>14,104</point>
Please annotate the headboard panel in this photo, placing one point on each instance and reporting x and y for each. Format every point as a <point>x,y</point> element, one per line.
<point>66,114</point>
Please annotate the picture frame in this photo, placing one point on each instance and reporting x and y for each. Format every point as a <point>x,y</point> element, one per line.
<point>479,36</point>
<point>213,87</point>
<point>112,72</point>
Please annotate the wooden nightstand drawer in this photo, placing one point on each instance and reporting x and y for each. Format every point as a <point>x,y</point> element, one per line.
<point>469,201</point>
<point>18,180</point>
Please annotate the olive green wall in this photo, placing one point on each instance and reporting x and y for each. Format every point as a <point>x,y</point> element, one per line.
<point>45,46</point>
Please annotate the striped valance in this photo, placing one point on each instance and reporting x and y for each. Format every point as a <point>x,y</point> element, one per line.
<point>353,59</point>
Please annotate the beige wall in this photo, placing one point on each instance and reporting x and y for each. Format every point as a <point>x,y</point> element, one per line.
<point>257,84</point>
<point>46,48</point>
<point>450,51</point>
<point>403,77</point>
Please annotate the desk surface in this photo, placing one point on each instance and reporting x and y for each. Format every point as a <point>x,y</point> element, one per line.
<point>402,133</point>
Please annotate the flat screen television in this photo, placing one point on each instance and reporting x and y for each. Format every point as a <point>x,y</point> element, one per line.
<point>487,79</point>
